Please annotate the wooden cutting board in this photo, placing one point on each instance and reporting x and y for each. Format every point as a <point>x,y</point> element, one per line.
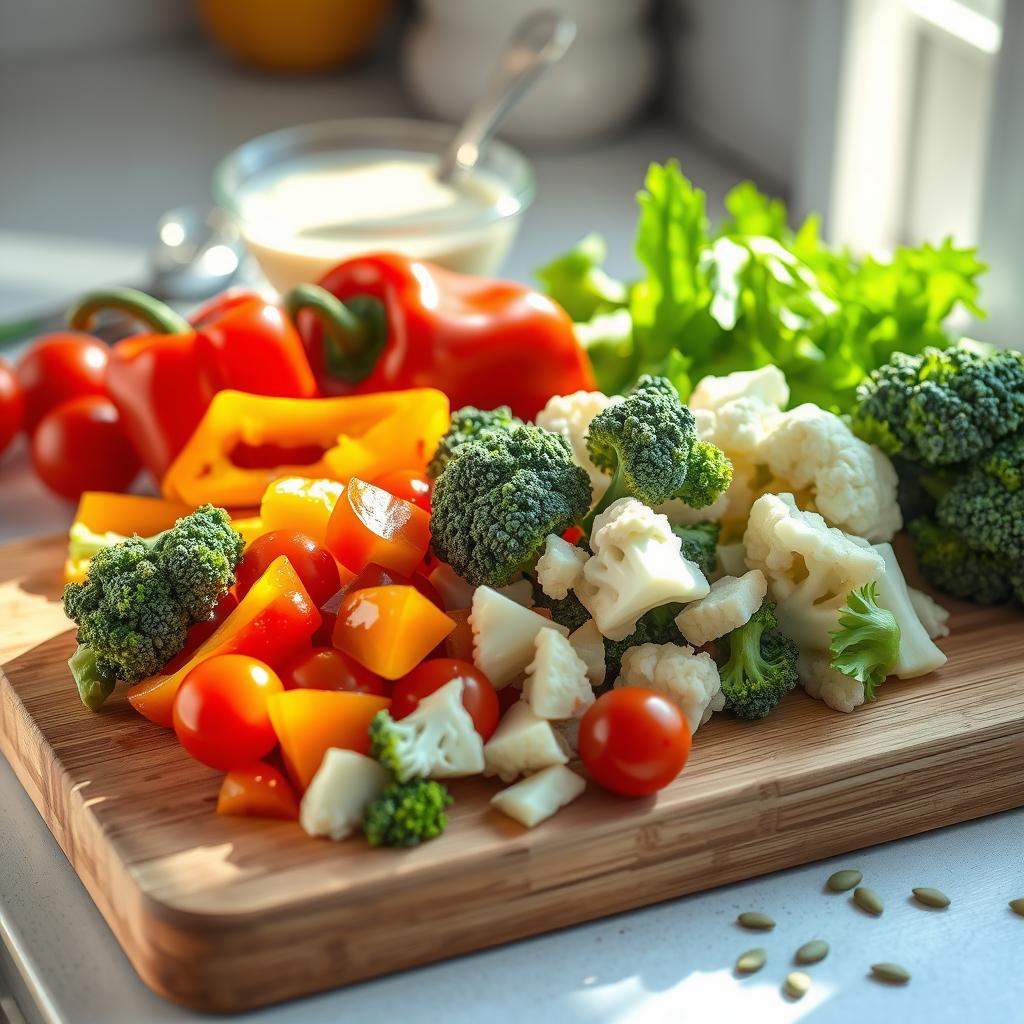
<point>226,914</point>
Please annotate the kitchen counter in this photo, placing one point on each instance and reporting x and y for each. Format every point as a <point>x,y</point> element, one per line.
<point>80,195</point>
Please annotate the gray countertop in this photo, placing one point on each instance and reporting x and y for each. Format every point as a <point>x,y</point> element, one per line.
<point>80,194</point>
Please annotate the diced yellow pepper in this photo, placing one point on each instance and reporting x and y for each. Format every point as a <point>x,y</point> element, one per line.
<point>300,503</point>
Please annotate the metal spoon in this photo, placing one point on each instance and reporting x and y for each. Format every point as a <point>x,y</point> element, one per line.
<point>537,42</point>
<point>197,253</point>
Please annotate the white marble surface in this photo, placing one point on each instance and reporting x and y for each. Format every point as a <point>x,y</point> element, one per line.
<point>171,115</point>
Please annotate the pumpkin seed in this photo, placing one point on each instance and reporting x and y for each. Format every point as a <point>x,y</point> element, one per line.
<point>892,973</point>
<point>844,881</point>
<point>796,984</point>
<point>755,920</point>
<point>1017,906</point>
<point>751,961</point>
<point>868,900</point>
<point>811,952</point>
<point>931,898</point>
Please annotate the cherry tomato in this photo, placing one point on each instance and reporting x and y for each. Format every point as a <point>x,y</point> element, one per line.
<point>325,668</point>
<point>634,741</point>
<point>80,446</point>
<point>200,631</point>
<point>59,367</point>
<point>220,711</point>
<point>12,405</point>
<point>313,565</point>
<point>408,484</point>
<point>479,697</point>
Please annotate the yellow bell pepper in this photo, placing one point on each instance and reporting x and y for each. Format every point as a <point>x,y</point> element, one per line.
<point>359,435</point>
<point>300,503</point>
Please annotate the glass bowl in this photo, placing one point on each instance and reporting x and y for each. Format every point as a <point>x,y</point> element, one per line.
<point>291,249</point>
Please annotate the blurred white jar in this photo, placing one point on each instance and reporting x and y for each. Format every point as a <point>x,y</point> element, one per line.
<point>604,79</point>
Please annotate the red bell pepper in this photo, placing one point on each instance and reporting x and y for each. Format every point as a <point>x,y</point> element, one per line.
<point>385,322</point>
<point>162,382</point>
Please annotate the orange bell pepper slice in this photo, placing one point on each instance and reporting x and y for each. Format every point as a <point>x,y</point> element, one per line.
<point>272,622</point>
<point>309,722</point>
<point>259,791</point>
<point>371,526</point>
<point>300,503</point>
<point>357,435</point>
<point>389,630</point>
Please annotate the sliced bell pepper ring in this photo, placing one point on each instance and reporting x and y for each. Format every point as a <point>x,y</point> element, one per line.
<point>272,622</point>
<point>259,791</point>
<point>359,436</point>
<point>162,381</point>
<point>309,722</point>
<point>384,321</point>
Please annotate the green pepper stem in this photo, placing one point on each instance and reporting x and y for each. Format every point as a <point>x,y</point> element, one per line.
<point>355,331</point>
<point>156,315</point>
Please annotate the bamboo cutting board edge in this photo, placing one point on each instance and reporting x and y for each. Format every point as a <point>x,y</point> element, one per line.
<point>494,883</point>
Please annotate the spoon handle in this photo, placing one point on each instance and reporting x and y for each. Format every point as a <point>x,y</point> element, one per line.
<point>537,42</point>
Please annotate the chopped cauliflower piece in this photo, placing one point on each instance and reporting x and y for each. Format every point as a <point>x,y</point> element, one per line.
<point>731,602</point>
<point>344,784</point>
<point>556,684</point>
<point>767,385</point>
<point>454,590</point>
<point>637,565</point>
<point>520,591</point>
<point>534,799</point>
<point>589,645</point>
<point>918,653</point>
<point>932,614</point>
<point>689,680</point>
<point>570,416</point>
<point>560,567</point>
<point>523,742</point>
<point>810,567</point>
<point>824,683</point>
<point>732,559</point>
<point>503,634</point>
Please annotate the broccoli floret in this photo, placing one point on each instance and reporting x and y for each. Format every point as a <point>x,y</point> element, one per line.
<point>499,497</point>
<point>658,626</point>
<point>568,611</point>
<point>950,565</point>
<point>867,643</point>
<point>757,666</point>
<point>406,813</point>
<point>942,407</point>
<point>648,443</point>
<point>134,608</point>
<point>467,424</point>
<point>700,543</point>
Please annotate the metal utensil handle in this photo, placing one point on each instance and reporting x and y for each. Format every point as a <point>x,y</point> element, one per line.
<point>537,42</point>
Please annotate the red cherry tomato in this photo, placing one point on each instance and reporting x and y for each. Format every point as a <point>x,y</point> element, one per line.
<point>634,741</point>
<point>325,668</point>
<point>12,405</point>
<point>80,446</point>
<point>59,367</point>
<point>314,566</point>
<point>408,484</point>
<point>200,631</point>
<point>479,697</point>
<point>220,711</point>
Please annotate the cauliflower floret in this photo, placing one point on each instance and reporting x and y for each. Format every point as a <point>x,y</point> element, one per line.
<point>556,680</point>
<point>570,416</point>
<point>932,615</point>
<point>535,799</point>
<point>767,385</point>
<point>810,567</point>
<point>436,741</point>
<point>689,680</point>
<point>824,683</point>
<point>731,602</point>
<point>520,591</point>
<point>637,565</point>
<point>918,654</point>
<point>560,567</point>
<point>589,645</point>
<point>852,484</point>
<point>523,742</point>
<point>336,799</point>
<point>503,634</point>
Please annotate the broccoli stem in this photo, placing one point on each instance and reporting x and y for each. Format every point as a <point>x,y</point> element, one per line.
<point>616,489</point>
<point>94,686</point>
